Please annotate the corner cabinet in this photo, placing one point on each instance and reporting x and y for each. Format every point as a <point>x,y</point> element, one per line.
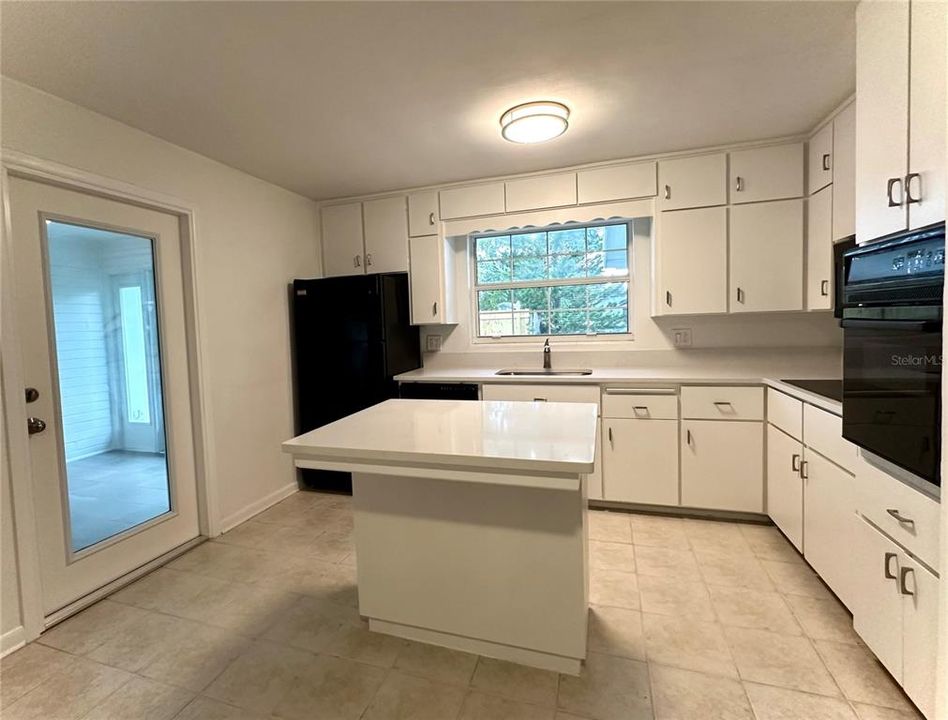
<point>430,281</point>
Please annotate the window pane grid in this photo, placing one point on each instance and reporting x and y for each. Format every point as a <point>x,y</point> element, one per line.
<point>579,285</point>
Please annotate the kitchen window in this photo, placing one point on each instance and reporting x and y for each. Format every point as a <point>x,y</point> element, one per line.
<point>568,280</point>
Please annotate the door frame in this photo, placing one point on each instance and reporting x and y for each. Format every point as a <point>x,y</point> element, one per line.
<point>14,164</point>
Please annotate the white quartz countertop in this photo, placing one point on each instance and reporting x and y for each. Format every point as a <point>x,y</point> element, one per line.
<point>736,375</point>
<point>458,435</point>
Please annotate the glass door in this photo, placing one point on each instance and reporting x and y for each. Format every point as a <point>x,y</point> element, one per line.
<point>100,301</point>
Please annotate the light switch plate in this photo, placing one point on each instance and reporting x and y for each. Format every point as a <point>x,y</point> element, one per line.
<point>681,337</point>
<point>432,343</point>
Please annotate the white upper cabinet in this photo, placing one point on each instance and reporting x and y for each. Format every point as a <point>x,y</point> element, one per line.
<point>926,182</point>
<point>692,260</point>
<point>536,193</point>
<point>767,173</point>
<point>882,92</point>
<point>820,159</point>
<point>819,251</point>
<point>423,213</point>
<point>844,173</point>
<point>766,257</point>
<point>429,281</point>
<point>617,182</point>
<point>386,235</point>
<point>342,240</point>
<point>692,182</point>
<point>473,201</point>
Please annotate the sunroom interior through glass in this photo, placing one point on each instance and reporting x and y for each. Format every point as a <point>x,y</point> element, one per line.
<point>563,280</point>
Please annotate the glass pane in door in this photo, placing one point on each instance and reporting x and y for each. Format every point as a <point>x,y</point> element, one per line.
<point>102,288</point>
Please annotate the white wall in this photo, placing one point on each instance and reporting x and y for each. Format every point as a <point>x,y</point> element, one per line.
<point>252,239</point>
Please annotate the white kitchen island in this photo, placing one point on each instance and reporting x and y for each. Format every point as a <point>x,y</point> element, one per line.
<point>470,522</point>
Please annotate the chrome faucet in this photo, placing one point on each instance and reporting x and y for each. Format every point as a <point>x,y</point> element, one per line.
<point>546,355</point>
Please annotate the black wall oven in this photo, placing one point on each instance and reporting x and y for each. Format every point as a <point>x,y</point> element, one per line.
<point>892,349</point>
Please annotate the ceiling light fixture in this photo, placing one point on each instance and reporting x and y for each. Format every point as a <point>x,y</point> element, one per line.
<point>534,122</point>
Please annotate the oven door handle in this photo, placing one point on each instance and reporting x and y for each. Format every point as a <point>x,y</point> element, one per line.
<point>923,325</point>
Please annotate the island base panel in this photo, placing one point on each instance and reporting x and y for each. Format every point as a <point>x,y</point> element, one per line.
<point>492,569</point>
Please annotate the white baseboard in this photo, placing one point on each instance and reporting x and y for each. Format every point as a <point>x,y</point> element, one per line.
<point>254,508</point>
<point>12,640</point>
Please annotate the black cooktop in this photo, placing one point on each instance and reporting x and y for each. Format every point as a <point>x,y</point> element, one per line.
<point>832,389</point>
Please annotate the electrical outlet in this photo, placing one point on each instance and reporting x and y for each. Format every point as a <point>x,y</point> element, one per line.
<point>432,343</point>
<point>681,337</point>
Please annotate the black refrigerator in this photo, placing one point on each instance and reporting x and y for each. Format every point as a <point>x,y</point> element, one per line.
<point>351,336</point>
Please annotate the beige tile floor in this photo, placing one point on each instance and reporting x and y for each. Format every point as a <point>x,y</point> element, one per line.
<point>691,620</point>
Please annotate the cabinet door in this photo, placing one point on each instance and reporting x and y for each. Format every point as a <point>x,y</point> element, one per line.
<point>423,215</point>
<point>425,280</point>
<point>640,461</point>
<point>919,641</point>
<point>828,509</point>
<point>546,191</point>
<point>692,182</point>
<point>927,112</point>
<point>722,465</point>
<point>819,251</point>
<point>342,240</point>
<point>768,173</point>
<point>693,261</point>
<point>876,602</point>
<point>767,256</point>
<point>784,484</point>
<point>844,173</point>
<point>882,57</point>
<point>618,182</point>
<point>471,201</point>
<point>820,159</point>
<point>386,235</point>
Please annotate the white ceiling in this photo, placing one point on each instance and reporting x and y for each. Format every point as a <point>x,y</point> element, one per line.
<point>341,98</point>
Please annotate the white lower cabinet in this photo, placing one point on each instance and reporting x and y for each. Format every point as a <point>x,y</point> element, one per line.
<point>895,611</point>
<point>722,465</point>
<point>640,460</point>
<point>784,484</point>
<point>828,509</point>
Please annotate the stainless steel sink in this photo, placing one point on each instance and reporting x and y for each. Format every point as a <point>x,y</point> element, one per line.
<point>542,372</point>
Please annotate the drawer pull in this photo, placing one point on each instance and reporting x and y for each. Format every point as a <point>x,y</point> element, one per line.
<point>889,575</point>
<point>903,587</point>
<point>721,404</point>
<point>795,463</point>
<point>900,517</point>
<point>640,410</point>
<point>540,400</point>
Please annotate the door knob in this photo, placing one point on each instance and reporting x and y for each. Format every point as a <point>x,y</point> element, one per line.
<point>32,395</point>
<point>35,425</point>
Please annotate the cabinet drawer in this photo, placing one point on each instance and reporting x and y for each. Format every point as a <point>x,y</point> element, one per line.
<point>472,201</point>
<point>617,183</point>
<point>542,393</point>
<point>535,193</point>
<point>639,405</point>
<point>823,432</point>
<point>722,403</point>
<point>880,497</point>
<point>785,413</point>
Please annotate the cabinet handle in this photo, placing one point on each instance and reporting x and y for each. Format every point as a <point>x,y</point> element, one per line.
<point>804,472</point>
<point>719,404</point>
<point>826,161</point>
<point>889,575</point>
<point>888,191</point>
<point>368,259</point>
<point>640,410</point>
<point>668,298</point>
<point>434,308</point>
<point>740,296</point>
<point>824,288</point>
<point>903,587</point>
<point>431,219</point>
<point>688,437</point>
<point>668,192</point>
<point>357,261</point>
<point>739,184</point>
<point>795,463</point>
<point>540,400</point>
<point>909,198</point>
<point>610,436</point>
<point>900,517</point>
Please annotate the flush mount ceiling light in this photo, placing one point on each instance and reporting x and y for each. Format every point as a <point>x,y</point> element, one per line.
<point>534,122</point>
